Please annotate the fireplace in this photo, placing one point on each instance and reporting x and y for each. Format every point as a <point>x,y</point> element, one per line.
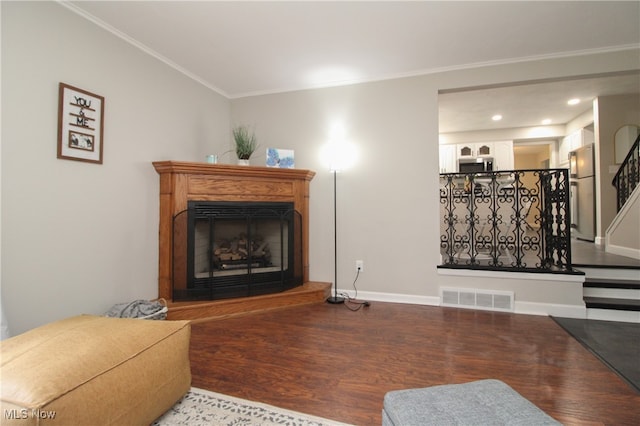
<point>227,249</point>
<point>229,210</point>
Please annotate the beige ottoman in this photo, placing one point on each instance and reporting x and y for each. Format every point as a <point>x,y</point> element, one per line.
<point>90,370</point>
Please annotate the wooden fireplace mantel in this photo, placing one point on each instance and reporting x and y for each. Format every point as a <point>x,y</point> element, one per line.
<point>181,182</point>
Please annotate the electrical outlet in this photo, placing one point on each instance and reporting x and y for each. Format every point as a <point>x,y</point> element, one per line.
<point>359,266</point>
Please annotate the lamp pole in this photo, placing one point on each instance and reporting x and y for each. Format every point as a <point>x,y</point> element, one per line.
<point>335,299</point>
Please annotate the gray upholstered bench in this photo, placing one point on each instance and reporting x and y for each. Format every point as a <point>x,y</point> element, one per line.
<point>484,402</point>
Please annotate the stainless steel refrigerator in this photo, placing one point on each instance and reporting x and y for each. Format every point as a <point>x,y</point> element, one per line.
<point>583,189</point>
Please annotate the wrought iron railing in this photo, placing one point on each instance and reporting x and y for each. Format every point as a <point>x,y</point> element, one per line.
<point>516,220</point>
<point>628,175</point>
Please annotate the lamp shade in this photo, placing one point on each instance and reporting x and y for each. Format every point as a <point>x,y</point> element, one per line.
<point>339,155</point>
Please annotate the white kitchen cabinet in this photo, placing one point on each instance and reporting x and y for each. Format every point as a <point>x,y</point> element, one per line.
<point>474,150</point>
<point>503,155</point>
<point>563,151</point>
<point>571,142</point>
<point>501,151</point>
<point>448,159</point>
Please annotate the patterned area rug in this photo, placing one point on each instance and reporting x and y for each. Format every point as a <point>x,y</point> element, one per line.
<point>203,407</point>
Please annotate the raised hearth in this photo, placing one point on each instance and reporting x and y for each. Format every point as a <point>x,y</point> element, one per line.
<point>308,293</point>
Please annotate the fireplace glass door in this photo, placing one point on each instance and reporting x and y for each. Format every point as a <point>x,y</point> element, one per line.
<point>236,249</point>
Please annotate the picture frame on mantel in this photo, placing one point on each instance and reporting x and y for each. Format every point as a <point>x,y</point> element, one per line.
<point>281,158</point>
<point>80,124</point>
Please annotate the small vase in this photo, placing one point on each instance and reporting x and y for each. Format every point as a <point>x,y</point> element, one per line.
<point>243,162</point>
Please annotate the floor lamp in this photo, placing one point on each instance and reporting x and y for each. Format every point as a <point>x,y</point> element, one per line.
<point>335,299</point>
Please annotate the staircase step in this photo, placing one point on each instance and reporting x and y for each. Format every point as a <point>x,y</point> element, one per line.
<point>614,293</point>
<point>613,315</point>
<point>611,303</point>
<point>611,283</point>
<point>612,272</point>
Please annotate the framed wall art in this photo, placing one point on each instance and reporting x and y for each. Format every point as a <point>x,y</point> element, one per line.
<point>80,124</point>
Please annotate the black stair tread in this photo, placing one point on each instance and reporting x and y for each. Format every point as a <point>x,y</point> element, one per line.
<point>611,303</point>
<point>611,283</point>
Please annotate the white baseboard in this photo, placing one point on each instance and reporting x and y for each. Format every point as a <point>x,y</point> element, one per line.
<point>521,308</point>
<point>623,251</point>
<point>525,308</point>
<point>394,298</point>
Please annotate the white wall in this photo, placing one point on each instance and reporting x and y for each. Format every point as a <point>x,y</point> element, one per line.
<point>78,237</point>
<point>388,201</point>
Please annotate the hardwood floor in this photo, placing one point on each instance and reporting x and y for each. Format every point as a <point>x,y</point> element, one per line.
<point>328,361</point>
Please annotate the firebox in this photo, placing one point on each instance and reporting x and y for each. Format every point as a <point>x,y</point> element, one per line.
<point>227,249</point>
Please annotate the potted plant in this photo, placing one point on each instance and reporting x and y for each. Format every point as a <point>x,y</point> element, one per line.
<point>246,143</point>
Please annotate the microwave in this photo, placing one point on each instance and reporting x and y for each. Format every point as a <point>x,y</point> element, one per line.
<point>475,165</point>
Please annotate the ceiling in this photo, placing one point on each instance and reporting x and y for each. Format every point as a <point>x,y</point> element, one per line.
<point>241,48</point>
<point>528,104</point>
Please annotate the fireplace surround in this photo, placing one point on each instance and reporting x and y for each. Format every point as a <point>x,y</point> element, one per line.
<point>182,183</point>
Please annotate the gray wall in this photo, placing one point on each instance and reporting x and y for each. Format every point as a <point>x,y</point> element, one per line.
<point>382,198</point>
<point>79,237</point>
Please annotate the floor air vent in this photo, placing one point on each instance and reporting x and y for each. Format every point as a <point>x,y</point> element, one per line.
<point>492,300</point>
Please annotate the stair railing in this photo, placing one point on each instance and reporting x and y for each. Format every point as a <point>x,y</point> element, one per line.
<point>628,175</point>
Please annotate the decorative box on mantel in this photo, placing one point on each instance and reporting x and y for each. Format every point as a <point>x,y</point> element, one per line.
<point>182,183</point>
